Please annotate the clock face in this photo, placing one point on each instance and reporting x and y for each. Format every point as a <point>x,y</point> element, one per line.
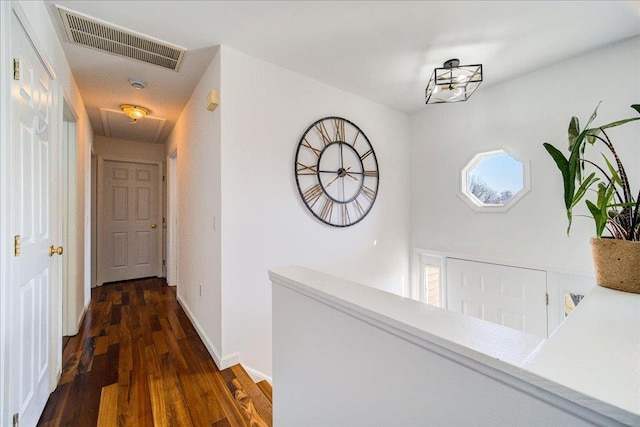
<point>336,172</point>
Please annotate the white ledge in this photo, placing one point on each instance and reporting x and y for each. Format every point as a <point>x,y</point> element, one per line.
<point>596,351</point>
<point>521,360</point>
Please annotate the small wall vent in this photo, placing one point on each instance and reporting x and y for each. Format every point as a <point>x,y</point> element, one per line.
<point>90,32</point>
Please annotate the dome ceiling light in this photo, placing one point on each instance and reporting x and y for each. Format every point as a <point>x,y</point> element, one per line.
<point>134,111</point>
<point>453,82</point>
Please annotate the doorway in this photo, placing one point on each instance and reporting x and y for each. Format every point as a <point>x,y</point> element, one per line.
<point>33,291</point>
<point>129,210</point>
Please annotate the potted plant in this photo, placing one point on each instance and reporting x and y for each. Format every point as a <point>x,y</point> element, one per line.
<point>603,182</point>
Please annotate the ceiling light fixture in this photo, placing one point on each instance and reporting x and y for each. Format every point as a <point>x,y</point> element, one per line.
<point>133,111</point>
<point>453,82</point>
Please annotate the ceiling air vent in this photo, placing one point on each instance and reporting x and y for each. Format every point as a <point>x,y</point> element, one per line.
<point>90,32</point>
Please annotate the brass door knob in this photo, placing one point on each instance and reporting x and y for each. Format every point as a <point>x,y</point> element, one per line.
<point>53,250</point>
<point>154,225</point>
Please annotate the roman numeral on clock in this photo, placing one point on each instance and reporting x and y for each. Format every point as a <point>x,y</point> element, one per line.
<point>355,139</point>
<point>312,194</point>
<point>365,155</point>
<point>306,170</point>
<point>345,214</point>
<point>327,209</point>
<point>368,193</point>
<point>306,143</point>
<point>340,136</point>
<point>326,139</point>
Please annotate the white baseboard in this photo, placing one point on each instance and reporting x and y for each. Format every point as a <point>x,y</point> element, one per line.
<point>81,318</point>
<point>257,376</point>
<point>222,362</point>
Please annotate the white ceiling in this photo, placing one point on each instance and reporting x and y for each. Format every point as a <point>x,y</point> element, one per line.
<point>384,51</point>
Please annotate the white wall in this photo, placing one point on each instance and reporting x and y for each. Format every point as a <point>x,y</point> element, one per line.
<point>235,168</point>
<point>520,115</point>
<point>196,137</point>
<point>126,149</point>
<point>265,110</point>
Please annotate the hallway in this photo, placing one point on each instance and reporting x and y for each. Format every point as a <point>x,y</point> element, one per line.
<point>138,361</point>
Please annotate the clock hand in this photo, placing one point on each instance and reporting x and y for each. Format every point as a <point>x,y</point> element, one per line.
<point>351,174</point>
<point>341,158</point>
<point>333,180</point>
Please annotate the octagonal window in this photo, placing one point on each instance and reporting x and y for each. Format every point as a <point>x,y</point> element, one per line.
<point>494,181</point>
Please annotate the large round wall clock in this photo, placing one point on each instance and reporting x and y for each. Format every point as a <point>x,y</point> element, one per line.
<point>336,172</point>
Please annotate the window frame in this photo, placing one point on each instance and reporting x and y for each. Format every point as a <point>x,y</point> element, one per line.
<point>422,259</point>
<point>473,202</point>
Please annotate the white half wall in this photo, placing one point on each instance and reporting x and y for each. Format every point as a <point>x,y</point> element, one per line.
<point>520,115</point>
<point>265,110</point>
<point>350,355</point>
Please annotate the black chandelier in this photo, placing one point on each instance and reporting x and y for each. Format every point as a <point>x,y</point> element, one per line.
<point>453,82</point>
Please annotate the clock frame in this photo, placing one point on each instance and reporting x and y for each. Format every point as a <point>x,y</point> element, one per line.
<point>336,170</point>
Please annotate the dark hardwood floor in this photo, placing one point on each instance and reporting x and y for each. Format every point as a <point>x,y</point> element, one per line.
<point>138,361</point>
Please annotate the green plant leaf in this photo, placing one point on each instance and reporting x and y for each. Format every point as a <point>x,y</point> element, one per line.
<point>575,166</point>
<point>580,192</point>
<point>597,217</point>
<point>592,135</point>
<point>615,176</point>
<point>636,107</point>
<point>574,130</point>
<point>593,115</point>
<point>618,123</point>
<point>605,194</point>
<point>563,165</point>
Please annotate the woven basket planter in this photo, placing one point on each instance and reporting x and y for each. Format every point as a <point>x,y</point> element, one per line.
<point>617,264</point>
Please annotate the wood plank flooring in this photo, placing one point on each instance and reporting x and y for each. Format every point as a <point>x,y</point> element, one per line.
<point>138,361</point>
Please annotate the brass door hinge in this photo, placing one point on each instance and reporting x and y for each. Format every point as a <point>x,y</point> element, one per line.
<point>16,420</point>
<point>164,263</point>
<point>16,69</point>
<point>16,245</point>
<point>547,298</point>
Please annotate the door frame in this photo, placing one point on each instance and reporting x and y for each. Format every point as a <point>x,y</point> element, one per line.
<point>5,250</point>
<point>172,218</point>
<point>68,199</point>
<point>7,10</point>
<point>101,220</point>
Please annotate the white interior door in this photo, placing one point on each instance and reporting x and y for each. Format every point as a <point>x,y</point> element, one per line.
<point>130,228</point>
<point>33,151</point>
<point>510,296</point>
